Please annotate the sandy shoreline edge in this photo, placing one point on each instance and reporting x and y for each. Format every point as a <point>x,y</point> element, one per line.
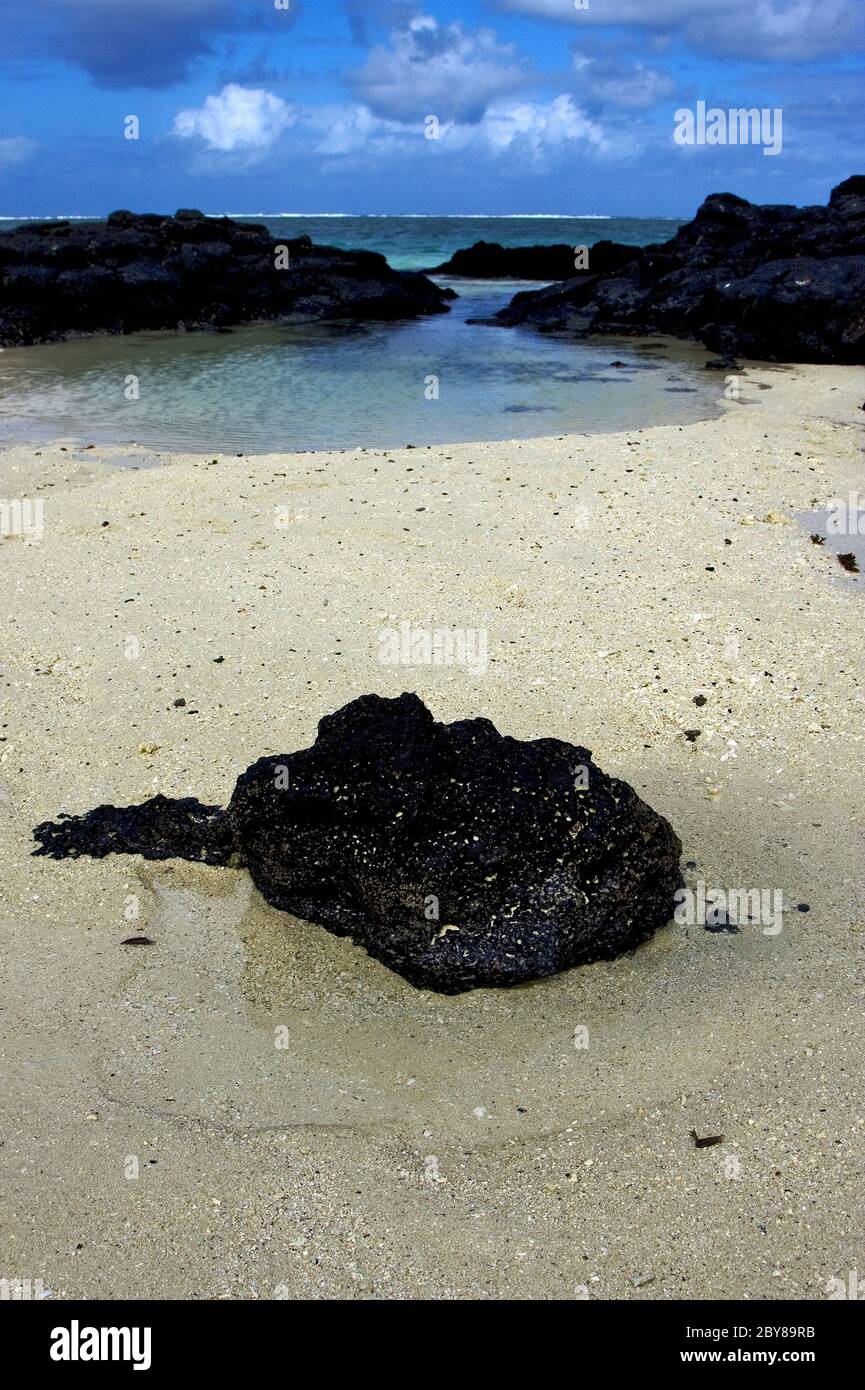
<point>402,1144</point>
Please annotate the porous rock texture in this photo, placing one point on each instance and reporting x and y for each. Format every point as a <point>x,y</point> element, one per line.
<point>142,271</point>
<point>457,856</point>
<point>777,283</point>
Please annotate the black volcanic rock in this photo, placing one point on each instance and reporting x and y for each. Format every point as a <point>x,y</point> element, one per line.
<point>455,855</point>
<point>142,271</point>
<point>815,308</point>
<point>488,260</point>
<point>775,282</point>
<point>848,198</point>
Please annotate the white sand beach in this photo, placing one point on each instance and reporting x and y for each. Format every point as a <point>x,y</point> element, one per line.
<point>249,1107</point>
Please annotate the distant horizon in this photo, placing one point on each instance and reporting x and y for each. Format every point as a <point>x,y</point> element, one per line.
<point>372,216</point>
<point>385,216</point>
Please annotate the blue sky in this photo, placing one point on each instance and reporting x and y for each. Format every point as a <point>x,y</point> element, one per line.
<point>542,106</point>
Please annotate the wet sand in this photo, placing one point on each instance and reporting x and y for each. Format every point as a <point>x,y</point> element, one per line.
<point>303,1122</point>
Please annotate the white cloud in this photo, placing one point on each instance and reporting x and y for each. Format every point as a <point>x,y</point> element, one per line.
<point>541,128</point>
<point>347,128</point>
<point>633,87</point>
<point>525,132</point>
<point>435,69</point>
<point>780,30</point>
<point>518,132</point>
<point>16,149</point>
<point>239,118</point>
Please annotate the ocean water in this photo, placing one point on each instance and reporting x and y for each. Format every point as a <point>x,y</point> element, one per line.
<point>430,381</point>
<point>415,243</point>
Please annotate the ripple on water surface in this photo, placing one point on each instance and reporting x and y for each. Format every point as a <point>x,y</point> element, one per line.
<point>277,389</point>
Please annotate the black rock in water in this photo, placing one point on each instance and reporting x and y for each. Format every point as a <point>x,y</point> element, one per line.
<point>489,260</point>
<point>778,283</point>
<point>140,271</point>
<point>455,855</point>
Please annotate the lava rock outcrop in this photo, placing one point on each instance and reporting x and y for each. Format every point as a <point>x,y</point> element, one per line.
<point>136,272</point>
<point>453,854</point>
<point>779,283</point>
<point>489,260</point>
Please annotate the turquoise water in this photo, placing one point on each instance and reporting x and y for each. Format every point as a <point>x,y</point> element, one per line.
<point>416,243</point>
<point>436,380</point>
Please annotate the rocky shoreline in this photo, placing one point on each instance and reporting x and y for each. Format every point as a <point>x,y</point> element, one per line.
<point>773,283</point>
<point>489,260</point>
<point>776,283</point>
<point>136,272</point>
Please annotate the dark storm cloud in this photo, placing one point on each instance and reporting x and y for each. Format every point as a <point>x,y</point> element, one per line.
<point>123,43</point>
